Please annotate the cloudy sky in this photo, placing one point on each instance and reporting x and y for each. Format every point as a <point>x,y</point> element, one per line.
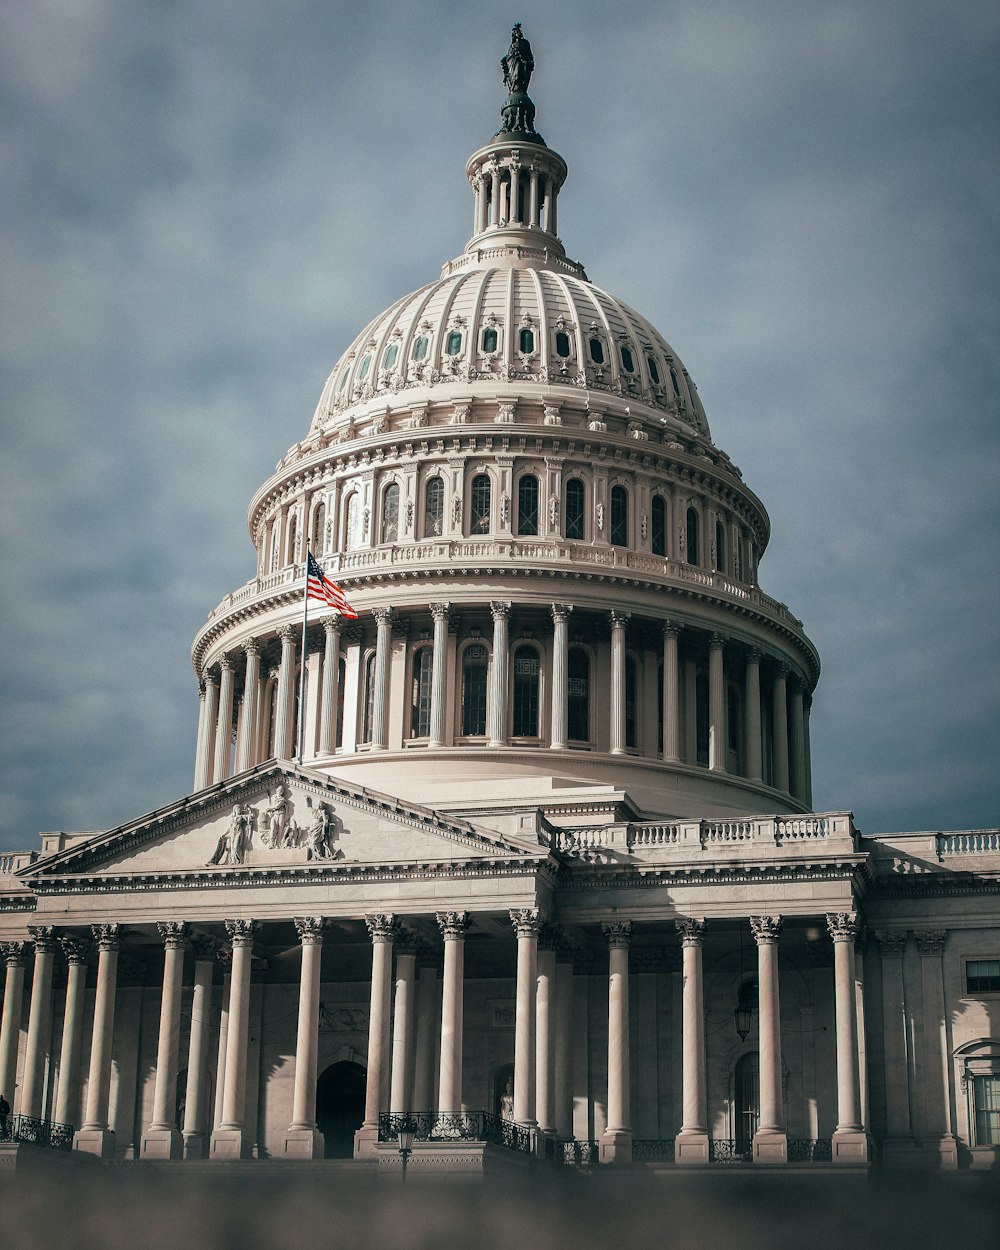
<point>204,200</point>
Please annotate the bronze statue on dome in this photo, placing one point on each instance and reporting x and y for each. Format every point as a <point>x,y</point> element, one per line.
<point>518,63</point>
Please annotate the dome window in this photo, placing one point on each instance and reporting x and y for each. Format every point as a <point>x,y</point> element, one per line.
<point>420,693</point>
<point>720,547</point>
<point>342,382</point>
<point>481,497</point>
<point>562,345</point>
<point>527,505</point>
<point>366,364</point>
<point>659,536</point>
<point>453,343</point>
<point>675,383</point>
<point>628,362</point>
<point>389,355</point>
<point>390,514</point>
<point>526,674</point>
<point>654,373</point>
<point>597,351</point>
<point>475,670</point>
<point>527,341</point>
<point>433,507</point>
<point>420,345</point>
<point>574,508</point>
<point>489,339</point>
<point>578,692</point>
<point>691,537</point>
<point>619,516</point>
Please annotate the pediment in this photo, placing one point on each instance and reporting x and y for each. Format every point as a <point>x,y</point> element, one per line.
<point>272,818</point>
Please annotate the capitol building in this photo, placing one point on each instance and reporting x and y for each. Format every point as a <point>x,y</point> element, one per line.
<point>519,867</point>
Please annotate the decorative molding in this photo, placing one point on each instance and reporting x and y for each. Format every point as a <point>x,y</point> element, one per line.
<point>526,921</point>
<point>174,933</point>
<point>241,932</point>
<point>43,938</point>
<point>692,930</point>
<point>310,929</point>
<point>843,925</point>
<point>766,929</point>
<point>892,942</point>
<point>618,933</point>
<point>74,949</point>
<point>931,941</point>
<point>15,954</point>
<point>382,926</point>
<point>203,946</point>
<point>453,924</point>
<point>107,936</point>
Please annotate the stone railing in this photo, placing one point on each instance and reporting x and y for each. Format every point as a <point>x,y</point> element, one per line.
<point>11,861</point>
<point>833,831</point>
<point>969,842</point>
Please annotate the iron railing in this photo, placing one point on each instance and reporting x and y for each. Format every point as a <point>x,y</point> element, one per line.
<point>570,1152</point>
<point>465,1126</point>
<point>810,1150</point>
<point>26,1128</point>
<point>652,1150</point>
<point>728,1150</point>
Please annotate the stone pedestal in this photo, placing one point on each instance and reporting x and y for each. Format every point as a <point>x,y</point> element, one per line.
<point>849,1147</point>
<point>232,1143</point>
<point>615,1147</point>
<point>691,1147</point>
<point>95,1141</point>
<point>770,1147</point>
<point>160,1143</point>
<point>304,1143</point>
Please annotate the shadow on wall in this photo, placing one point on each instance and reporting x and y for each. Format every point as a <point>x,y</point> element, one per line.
<point>78,1208</point>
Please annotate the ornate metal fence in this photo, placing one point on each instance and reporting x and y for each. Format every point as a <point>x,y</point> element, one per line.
<point>25,1128</point>
<point>652,1150</point>
<point>465,1126</point>
<point>723,1150</point>
<point>804,1150</point>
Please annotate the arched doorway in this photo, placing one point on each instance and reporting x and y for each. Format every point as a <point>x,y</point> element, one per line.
<point>340,1107</point>
<point>747,1100</point>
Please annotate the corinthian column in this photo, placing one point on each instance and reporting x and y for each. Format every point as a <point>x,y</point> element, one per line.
<point>383,653</point>
<point>94,1137</point>
<point>899,1135</point>
<point>39,1022</point>
<point>331,681</point>
<point>616,1141</point>
<point>796,744</point>
<point>68,1098</point>
<point>935,1085</point>
<point>440,613</point>
<point>284,734</point>
<point>303,1139</point>
<point>545,1022</point>
<point>770,1145</point>
<point>751,701</point>
<point>716,705</point>
<point>618,620</point>
<point>526,925</point>
<point>453,925</point>
<point>403,1021</point>
<point>560,672</point>
<point>779,711</point>
<point>224,727</point>
<point>850,1144</point>
<point>162,1140</point>
<point>499,674</point>
<point>195,1129</point>
<point>246,755</point>
<point>206,749</point>
<point>691,1144</point>
<point>232,1140</point>
<point>14,956</point>
<point>671,695</point>
<point>383,928</point>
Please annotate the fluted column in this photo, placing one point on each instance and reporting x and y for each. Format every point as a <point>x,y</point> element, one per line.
<point>796,744</point>
<point>770,1145</point>
<point>494,195</point>
<point>195,1129</point>
<point>224,726</point>
<point>162,1140</point>
<point>564,1044</point>
<point>245,738</point>
<point>329,698</point>
<point>935,1085</point>
<point>533,198</point>
<point>284,734</point>
<point>403,1022</point>
<point>232,1139</point>
<point>439,611</point>
<point>499,674</point>
<point>616,1141</point>
<point>806,749</point>
<point>515,175</point>
<point>39,1022</point>
<point>671,694</point>
<point>15,956</point>
<point>225,958</point>
<point>899,1133</point>
<point>716,705</point>
<point>691,1143</point>
<point>779,738</point>
<point>95,1137</point>
<point>426,1029</point>
<point>545,1025</point>
<point>303,1140</point>
<point>206,753</point>
<point>526,926</point>
<point>560,670</point>
<point>751,705</point>
<point>383,653</point>
<point>453,925</point>
<point>68,1095</point>
<point>383,928</point>
<point>199,749</point>
<point>618,622</point>
<point>849,1142</point>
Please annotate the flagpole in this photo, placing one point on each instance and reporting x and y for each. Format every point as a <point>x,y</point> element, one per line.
<point>302,665</point>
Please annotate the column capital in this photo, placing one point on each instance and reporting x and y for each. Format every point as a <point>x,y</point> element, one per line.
<point>550,937</point>
<point>203,947</point>
<point>74,950</point>
<point>310,929</point>
<point>353,635</point>
<point>453,924</point>
<point>766,929</point>
<point>407,942</point>
<point>501,609</point>
<point>717,641</point>
<point>755,655</point>
<point>930,941</point>
<point>331,624</point>
<point>287,635</point>
<point>241,932</point>
<point>382,926</point>
<point>670,629</point>
<point>781,669</point>
<point>525,921</point>
<point>618,933</point>
<point>383,616</point>
<point>225,664</point>
<point>15,954</point>
<point>107,936</point>
<point>440,611</point>
<point>691,929</point>
<point>892,942</point>
<point>560,611</point>
<point>43,936</point>
<point>209,678</point>
<point>251,647</point>
<point>843,925</point>
<point>174,933</point>
<point>619,620</point>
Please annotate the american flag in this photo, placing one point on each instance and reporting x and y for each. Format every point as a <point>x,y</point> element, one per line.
<point>320,587</point>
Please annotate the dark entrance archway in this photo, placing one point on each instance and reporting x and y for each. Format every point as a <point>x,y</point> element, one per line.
<point>340,1107</point>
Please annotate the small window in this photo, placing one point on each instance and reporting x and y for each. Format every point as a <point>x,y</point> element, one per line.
<point>453,343</point>
<point>366,364</point>
<point>344,375</point>
<point>389,355</point>
<point>574,508</point>
<point>982,976</point>
<point>489,339</point>
<point>475,667</point>
<point>527,505</point>
<point>527,342</point>
<point>578,702</point>
<point>481,496</point>
<point>390,514</point>
<point>433,507</point>
<point>526,674</point>
<point>597,351</point>
<point>720,547</point>
<point>659,534</point>
<point>420,695</point>
<point>674,383</point>
<point>628,363</point>
<point>420,345</point>
<point>654,373</point>
<point>562,345</point>
<point>619,516</point>
<point>691,544</point>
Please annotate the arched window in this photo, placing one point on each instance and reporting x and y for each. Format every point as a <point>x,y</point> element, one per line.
<point>433,507</point>
<point>619,516</point>
<point>675,383</point>
<point>720,547</point>
<point>481,497</point>
<point>368,722</point>
<point>562,345</point>
<point>420,692</point>
<point>389,355</point>
<point>352,523</point>
<point>489,339</point>
<point>475,668</point>
<point>366,364</point>
<point>701,719</point>
<point>631,702</point>
<point>420,345</point>
<point>318,537</point>
<point>659,527</point>
<point>654,373</point>
<point>574,508</point>
<point>275,545</point>
<point>453,343</point>
<point>390,514</point>
<point>597,351</point>
<point>578,702</point>
<point>691,540</point>
<point>526,679</point>
<point>293,538</point>
<point>527,505</point>
<point>628,363</point>
<point>526,341</point>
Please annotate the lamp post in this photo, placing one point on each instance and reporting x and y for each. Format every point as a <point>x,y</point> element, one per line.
<point>405,1142</point>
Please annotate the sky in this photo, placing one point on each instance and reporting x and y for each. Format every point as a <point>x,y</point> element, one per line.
<point>205,200</point>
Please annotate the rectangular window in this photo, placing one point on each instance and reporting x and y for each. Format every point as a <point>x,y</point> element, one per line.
<point>982,976</point>
<point>986,1103</point>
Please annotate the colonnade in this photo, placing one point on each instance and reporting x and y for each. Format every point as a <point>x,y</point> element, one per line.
<point>772,730</point>
<point>497,188</point>
<point>401,1037</point>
